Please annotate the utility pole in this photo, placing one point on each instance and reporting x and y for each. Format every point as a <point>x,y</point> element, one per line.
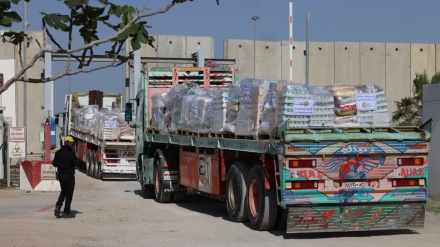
<point>255,19</point>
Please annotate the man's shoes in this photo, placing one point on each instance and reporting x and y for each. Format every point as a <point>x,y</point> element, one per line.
<point>68,215</point>
<point>57,211</point>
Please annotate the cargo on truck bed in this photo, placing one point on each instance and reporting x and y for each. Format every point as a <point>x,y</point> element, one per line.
<point>281,155</point>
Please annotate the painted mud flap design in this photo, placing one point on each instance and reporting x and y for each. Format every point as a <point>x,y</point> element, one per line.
<point>356,218</point>
<point>170,181</point>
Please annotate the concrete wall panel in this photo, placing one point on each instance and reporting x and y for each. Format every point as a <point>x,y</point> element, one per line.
<point>372,65</point>
<point>437,58</point>
<point>242,52</point>
<point>398,84</point>
<point>194,43</point>
<point>171,46</point>
<point>7,50</point>
<point>422,60</point>
<point>322,64</point>
<point>299,62</point>
<point>347,61</point>
<point>268,59</point>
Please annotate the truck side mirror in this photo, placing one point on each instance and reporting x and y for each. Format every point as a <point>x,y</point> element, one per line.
<point>128,112</point>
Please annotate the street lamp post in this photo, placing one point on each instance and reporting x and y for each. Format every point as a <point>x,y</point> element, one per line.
<point>255,19</point>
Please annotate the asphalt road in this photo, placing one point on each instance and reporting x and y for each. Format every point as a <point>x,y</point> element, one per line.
<point>113,213</point>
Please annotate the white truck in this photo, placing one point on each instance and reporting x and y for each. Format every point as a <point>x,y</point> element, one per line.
<point>103,141</point>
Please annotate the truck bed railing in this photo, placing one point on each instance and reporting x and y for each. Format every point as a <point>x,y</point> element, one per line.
<point>353,134</point>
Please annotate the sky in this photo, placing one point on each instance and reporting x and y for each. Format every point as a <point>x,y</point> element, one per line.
<point>397,21</point>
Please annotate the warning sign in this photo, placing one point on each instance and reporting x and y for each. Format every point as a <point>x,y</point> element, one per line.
<point>16,150</point>
<point>48,172</point>
<point>17,134</point>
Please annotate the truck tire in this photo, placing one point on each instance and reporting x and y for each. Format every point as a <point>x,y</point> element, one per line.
<point>98,171</point>
<point>236,187</point>
<point>88,163</point>
<point>92,164</point>
<point>160,195</point>
<point>261,203</point>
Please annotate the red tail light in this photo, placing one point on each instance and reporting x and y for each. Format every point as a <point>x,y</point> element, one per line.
<point>111,151</point>
<point>112,161</point>
<point>302,163</point>
<point>302,185</point>
<point>111,156</point>
<point>410,161</point>
<point>408,182</point>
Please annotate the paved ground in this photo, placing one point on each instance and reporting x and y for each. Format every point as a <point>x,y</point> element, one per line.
<point>112,213</point>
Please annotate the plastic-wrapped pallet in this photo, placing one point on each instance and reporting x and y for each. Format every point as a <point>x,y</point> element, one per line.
<point>345,105</point>
<point>295,105</point>
<point>270,107</point>
<point>372,107</point>
<point>219,111</point>
<point>109,125</point>
<point>323,110</point>
<point>173,104</point>
<point>185,111</point>
<point>200,113</point>
<point>232,109</point>
<point>83,118</point>
<point>253,93</point>
<point>158,110</point>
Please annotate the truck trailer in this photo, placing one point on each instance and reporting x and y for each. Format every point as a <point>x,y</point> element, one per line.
<point>298,178</point>
<point>103,141</point>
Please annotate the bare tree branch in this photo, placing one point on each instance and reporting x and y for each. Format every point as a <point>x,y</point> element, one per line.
<point>71,51</point>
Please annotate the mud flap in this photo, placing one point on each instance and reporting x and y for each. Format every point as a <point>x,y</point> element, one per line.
<point>170,181</point>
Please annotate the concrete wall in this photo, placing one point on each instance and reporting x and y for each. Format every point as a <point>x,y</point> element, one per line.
<point>431,104</point>
<point>35,94</point>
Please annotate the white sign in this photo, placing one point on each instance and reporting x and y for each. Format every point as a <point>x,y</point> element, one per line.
<point>366,102</point>
<point>48,172</point>
<point>17,150</point>
<point>17,134</point>
<point>303,107</point>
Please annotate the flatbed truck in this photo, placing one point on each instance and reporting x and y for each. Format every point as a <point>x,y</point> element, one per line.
<point>301,180</point>
<point>101,158</point>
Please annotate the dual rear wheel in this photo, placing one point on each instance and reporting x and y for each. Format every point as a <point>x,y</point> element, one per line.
<point>248,199</point>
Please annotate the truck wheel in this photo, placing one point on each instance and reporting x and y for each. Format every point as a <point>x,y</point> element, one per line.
<point>261,203</point>
<point>236,191</point>
<point>160,195</point>
<point>93,168</point>
<point>88,163</point>
<point>98,171</point>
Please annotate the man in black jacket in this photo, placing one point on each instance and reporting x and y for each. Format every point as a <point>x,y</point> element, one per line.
<point>65,160</point>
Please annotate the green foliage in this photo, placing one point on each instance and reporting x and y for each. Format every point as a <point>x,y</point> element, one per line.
<point>409,109</point>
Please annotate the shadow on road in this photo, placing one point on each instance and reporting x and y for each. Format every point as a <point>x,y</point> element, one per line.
<point>216,208</point>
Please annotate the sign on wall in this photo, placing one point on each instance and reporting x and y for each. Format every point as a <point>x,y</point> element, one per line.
<point>17,139</point>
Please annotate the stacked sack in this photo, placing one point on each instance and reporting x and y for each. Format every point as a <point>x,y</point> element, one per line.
<point>323,110</point>
<point>372,107</point>
<point>295,105</point>
<point>257,106</point>
<point>345,105</point>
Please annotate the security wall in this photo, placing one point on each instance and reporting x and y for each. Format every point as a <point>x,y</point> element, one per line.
<point>392,66</point>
